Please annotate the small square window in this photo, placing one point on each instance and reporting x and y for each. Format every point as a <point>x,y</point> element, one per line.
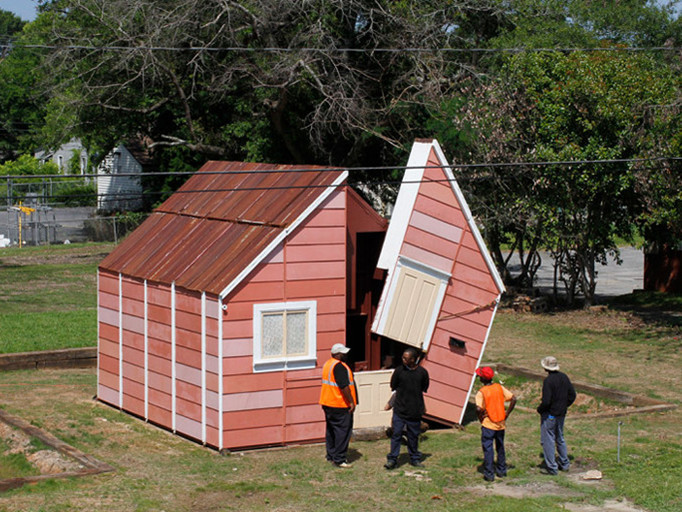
<point>284,336</point>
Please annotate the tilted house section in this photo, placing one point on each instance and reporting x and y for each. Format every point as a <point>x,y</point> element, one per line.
<point>442,288</point>
<point>217,313</point>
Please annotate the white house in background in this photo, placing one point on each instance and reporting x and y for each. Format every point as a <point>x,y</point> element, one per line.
<point>63,156</point>
<point>119,186</point>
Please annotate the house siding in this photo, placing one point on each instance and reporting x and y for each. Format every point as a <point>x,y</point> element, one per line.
<point>438,235</point>
<point>163,362</point>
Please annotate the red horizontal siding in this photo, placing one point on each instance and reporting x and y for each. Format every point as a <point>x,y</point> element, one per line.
<point>133,339</point>
<point>188,408</point>
<point>437,209</point>
<point>440,246</point>
<point>108,348</point>
<point>252,382</point>
<point>316,253</point>
<point>315,271</point>
<point>252,419</point>
<point>250,437</point>
<point>108,379</point>
<point>298,290</point>
<point>303,396</point>
<point>160,415</point>
<point>305,432</point>
<point>108,364</point>
<point>108,283</point>
<point>316,236</point>
<point>133,405</point>
<point>188,302</point>
<point>108,301</point>
<point>160,399</point>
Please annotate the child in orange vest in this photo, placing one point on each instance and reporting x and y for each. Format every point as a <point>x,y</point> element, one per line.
<point>490,401</point>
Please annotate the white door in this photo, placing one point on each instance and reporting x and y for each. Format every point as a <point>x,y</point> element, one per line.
<point>374,390</point>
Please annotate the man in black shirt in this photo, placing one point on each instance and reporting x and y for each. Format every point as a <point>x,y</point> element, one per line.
<point>409,381</point>
<point>557,396</point>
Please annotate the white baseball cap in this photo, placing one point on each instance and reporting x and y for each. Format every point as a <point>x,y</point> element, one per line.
<point>340,348</point>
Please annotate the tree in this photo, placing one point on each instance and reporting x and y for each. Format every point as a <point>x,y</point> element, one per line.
<point>262,79</point>
<point>578,107</point>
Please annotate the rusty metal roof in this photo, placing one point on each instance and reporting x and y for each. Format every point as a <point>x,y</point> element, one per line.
<point>219,222</point>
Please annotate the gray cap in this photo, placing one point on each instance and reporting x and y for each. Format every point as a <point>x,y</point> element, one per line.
<point>340,348</point>
<point>550,364</point>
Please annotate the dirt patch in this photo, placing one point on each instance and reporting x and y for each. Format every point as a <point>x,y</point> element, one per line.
<point>607,506</point>
<point>45,460</point>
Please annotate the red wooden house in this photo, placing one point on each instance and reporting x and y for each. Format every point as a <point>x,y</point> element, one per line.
<point>218,312</point>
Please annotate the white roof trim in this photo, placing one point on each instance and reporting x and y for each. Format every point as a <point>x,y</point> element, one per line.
<point>271,247</point>
<point>407,196</point>
<point>470,219</point>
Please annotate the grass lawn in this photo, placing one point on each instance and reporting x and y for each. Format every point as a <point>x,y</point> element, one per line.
<point>48,296</point>
<point>631,346</point>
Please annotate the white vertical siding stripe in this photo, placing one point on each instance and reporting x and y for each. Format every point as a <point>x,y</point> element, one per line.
<point>173,404</point>
<point>220,373</point>
<point>146,354</point>
<point>120,340</point>
<point>203,367</point>
<point>98,338</point>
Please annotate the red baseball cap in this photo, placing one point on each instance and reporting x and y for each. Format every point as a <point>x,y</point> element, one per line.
<point>485,372</point>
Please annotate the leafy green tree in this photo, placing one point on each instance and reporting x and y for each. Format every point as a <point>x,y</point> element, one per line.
<point>566,107</point>
<point>21,100</point>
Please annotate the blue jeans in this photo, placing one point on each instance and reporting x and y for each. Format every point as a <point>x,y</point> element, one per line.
<point>552,437</point>
<point>489,436</point>
<point>412,428</point>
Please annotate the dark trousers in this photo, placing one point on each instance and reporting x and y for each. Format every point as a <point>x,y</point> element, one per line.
<point>412,429</point>
<point>488,437</point>
<point>339,430</point>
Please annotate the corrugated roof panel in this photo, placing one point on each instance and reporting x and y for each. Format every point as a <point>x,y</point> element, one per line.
<point>224,260</point>
<point>127,250</point>
<point>217,223</point>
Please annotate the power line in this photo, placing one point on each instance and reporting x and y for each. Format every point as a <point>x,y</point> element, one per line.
<point>274,170</point>
<point>241,49</point>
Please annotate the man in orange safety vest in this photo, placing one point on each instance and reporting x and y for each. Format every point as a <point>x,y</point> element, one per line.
<point>338,398</point>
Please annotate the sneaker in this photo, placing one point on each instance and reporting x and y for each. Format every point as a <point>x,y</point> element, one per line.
<point>488,478</point>
<point>391,464</point>
<point>501,474</point>
<point>548,472</point>
<point>565,470</point>
<point>344,465</point>
<point>417,464</point>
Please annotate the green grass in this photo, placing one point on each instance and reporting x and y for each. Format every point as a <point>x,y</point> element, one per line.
<point>14,465</point>
<point>27,332</point>
<point>48,296</point>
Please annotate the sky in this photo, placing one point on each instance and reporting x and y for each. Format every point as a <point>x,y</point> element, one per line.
<point>25,9</point>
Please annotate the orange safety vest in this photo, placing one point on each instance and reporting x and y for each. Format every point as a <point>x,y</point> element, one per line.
<point>494,402</point>
<point>331,395</point>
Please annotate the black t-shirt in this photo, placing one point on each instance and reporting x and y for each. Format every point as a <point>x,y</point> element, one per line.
<point>410,386</point>
<point>341,375</point>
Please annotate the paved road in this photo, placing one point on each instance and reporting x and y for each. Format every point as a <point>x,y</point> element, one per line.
<point>612,279</point>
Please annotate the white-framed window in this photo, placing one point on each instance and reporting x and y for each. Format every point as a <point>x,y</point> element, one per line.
<point>284,336</point>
